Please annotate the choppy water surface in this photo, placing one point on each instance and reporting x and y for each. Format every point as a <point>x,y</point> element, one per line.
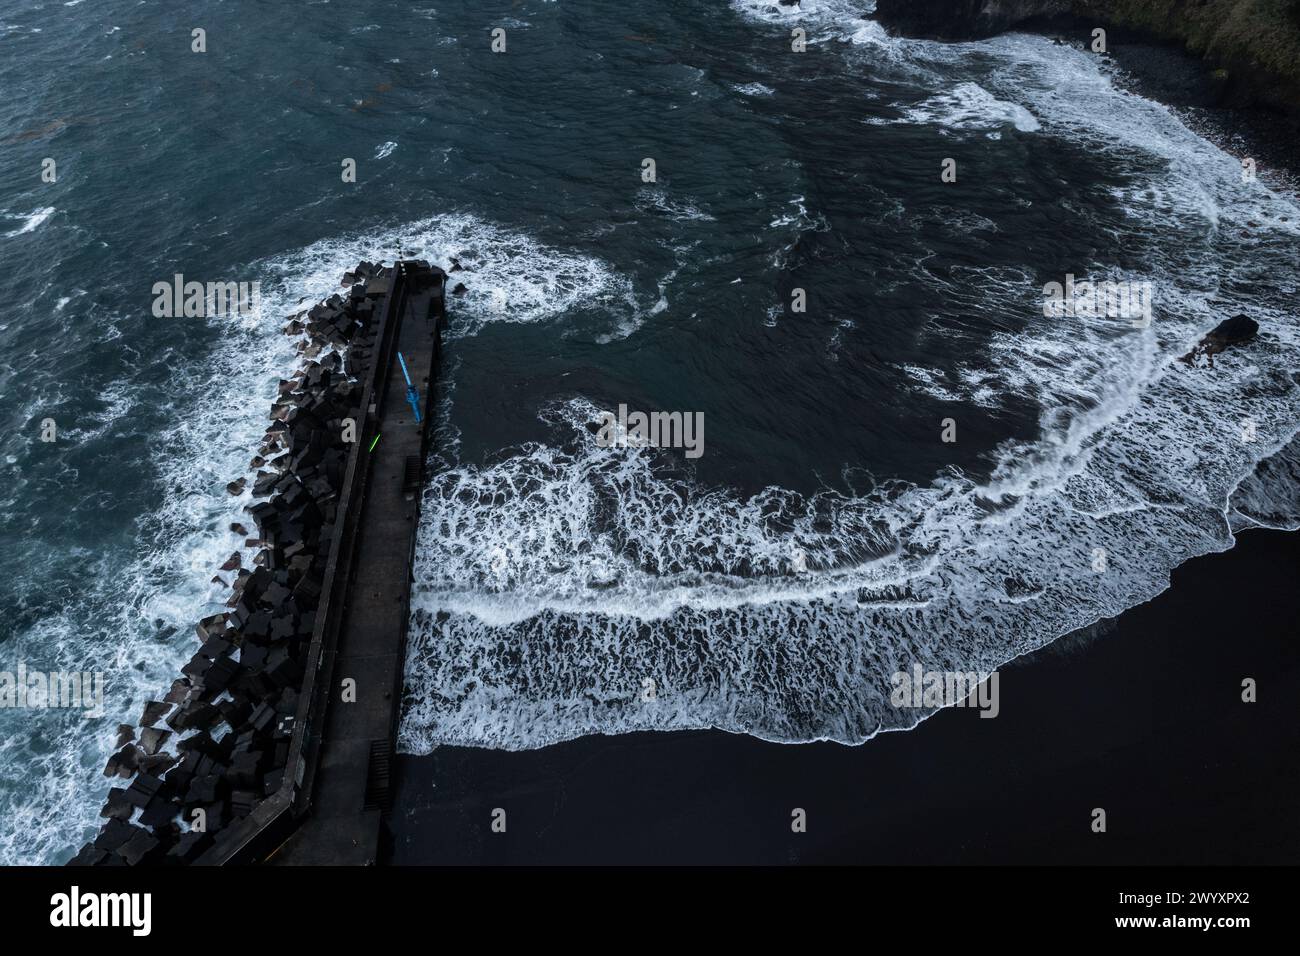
<point>555,577</point>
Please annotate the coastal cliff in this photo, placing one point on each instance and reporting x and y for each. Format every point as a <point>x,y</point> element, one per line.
<point>1253,45</point>
<point>963,19</point>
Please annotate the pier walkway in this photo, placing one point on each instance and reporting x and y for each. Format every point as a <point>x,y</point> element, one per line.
<point>351,789</point>
<point>329,809</point>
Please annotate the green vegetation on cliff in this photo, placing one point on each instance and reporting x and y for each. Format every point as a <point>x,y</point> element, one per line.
<point>1252,46</point>
<point>1261,37</point>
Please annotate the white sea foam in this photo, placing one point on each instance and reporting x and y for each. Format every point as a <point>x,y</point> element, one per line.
<point>552,583</point>
<point>1269,497</point>
<point>803,222</point>
<point>843,17</point>
<point>509,276</point>
<point>829,22</point>
<point>1178,178</point>
<point>556,580</point>
<point>967,106</point>
<point>30,221</point>
<point>135,623</point>
<point>678,210</point>
<point>931,382</point>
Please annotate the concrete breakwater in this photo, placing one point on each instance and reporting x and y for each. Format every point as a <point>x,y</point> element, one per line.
<point>221,768</point>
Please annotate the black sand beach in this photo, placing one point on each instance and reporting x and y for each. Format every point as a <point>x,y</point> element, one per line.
<point>1145,720</point>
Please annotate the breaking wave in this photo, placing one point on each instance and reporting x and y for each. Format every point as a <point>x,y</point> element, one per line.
<point>30,221</point>
<point>968,106</point>
<point>135,622</point>
<point>508,275</point>
<point>564,589</point>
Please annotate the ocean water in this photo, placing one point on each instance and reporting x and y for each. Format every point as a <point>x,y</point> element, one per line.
<point>826,538</point>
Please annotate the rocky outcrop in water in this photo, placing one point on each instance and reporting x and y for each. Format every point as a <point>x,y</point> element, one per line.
<point>1237,330</point>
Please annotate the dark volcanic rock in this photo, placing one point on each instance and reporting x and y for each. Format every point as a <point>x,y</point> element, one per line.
<point>961,19</point>
<point>1235,331</point>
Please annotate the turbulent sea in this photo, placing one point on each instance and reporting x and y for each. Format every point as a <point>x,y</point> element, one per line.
<point>827,537</point>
